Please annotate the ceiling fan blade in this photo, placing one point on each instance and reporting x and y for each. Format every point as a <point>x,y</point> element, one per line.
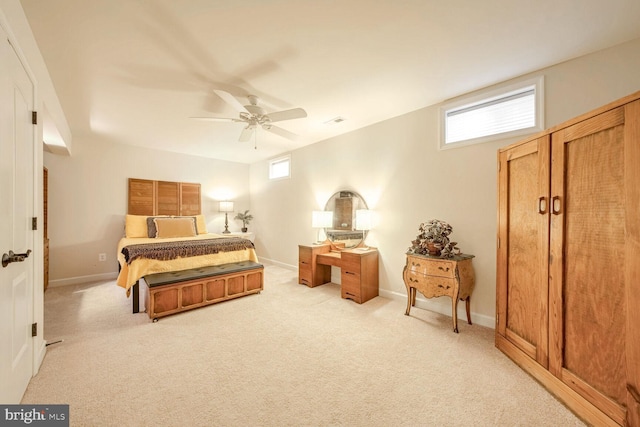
<point>217,119</point>
<point>295,113</point>
<point>246,133</point>
<point>231,100</point>
<point>282,132</point>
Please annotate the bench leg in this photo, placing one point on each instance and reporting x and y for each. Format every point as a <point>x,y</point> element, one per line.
<point>135,291</point>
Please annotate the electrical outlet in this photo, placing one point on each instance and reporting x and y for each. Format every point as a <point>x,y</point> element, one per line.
<point>102,257</point>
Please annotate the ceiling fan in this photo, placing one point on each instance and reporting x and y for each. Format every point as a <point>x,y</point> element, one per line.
<point>254,115</point>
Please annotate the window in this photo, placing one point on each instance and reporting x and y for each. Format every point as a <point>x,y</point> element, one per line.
<point>508,111</point>
<point>280,167</point>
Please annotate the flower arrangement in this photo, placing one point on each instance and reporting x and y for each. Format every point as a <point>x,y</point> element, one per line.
<point>433,239</point>
<point>246,218</point>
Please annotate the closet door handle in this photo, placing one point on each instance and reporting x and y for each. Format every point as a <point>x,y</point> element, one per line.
<point>542,205</point>
<point>555,205</point>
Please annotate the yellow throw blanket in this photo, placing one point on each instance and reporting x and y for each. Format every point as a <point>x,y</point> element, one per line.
<point>140,267</point>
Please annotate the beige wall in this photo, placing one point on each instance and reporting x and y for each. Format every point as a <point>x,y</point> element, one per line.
<point>397,167</point>
<point>88,200</point>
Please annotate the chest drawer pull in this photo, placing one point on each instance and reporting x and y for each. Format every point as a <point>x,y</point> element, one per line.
<point>443,269</point>
<point>444,287</point>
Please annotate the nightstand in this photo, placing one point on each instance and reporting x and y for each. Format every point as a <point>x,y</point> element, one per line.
<point>248,235</point>
<point>436,277</point>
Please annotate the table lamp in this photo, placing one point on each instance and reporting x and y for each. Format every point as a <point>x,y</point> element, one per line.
<point>364,222</point>
<point>321,220</point>
<point>226,207</point>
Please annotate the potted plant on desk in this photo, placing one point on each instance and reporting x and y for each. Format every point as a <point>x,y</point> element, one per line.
<point>246,218</point>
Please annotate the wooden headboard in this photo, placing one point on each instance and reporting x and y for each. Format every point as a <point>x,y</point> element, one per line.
<point>146,197</point>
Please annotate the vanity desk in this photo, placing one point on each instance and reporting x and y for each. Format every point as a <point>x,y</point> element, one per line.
<point>358,269</point>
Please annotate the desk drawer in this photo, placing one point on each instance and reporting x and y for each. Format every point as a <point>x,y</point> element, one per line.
<point>306,266</point>
<point>352,286</point>
<point>349,278</point>
<point>305,276</point>
<point>304,255</point>
<point>351,291</point>
<point>432,267</point>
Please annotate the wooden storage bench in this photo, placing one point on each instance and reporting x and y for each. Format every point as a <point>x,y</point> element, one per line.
<point>178,291</point>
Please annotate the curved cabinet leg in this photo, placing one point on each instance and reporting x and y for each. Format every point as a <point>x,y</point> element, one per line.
<point>468,304</point>
<point>410,299</point>
<point>406,284</point>
<point>454,314</point>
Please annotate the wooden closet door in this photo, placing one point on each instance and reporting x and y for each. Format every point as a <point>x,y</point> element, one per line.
<point>523,232</point>
<point>591,258</point>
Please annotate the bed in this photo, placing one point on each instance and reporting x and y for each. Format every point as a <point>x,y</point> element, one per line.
<point>165,231</point>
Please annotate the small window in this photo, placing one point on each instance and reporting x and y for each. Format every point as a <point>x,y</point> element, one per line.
<point>505,112</point>
<point>280,168</point>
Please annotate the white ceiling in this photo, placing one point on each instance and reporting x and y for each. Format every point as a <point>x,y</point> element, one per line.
<point>136,71</point>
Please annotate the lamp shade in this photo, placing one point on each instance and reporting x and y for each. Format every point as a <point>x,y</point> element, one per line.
<point>321,219</point>
<point>226,207</point>
<point>364,219</point>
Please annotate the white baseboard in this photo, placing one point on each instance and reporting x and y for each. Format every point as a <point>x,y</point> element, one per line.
<point>83,279</point>
<point>278,263</point>
<point>442,306</point>
<point>41,351</point>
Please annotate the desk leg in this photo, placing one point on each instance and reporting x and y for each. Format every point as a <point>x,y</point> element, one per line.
<point>455,314</point>
<point>468,303</point>
<point>136,297</point>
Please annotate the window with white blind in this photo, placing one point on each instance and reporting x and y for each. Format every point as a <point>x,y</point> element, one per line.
<point>280,168</point>
<point>501,113</point>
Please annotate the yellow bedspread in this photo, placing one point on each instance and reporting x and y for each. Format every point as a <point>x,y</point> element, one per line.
<point>131,273</point>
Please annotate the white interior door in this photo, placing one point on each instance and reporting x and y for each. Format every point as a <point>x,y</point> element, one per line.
<point>16,211</point>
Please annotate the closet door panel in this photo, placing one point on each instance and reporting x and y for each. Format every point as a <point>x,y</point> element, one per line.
<point>587,281</point>
<point>632,258</point>
<point>523,234</point>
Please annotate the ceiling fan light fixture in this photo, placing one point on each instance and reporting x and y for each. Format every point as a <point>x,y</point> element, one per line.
<point>255,115</point>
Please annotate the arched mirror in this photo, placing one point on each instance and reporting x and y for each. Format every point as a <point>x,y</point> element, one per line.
<point>344,205</point>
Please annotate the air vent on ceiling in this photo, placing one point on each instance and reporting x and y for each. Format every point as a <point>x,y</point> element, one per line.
<point>335,120</point>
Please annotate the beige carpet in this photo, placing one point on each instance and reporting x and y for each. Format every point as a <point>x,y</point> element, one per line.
<point>290,356</point>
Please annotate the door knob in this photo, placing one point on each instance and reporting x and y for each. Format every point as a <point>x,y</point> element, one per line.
<point>11,257</point>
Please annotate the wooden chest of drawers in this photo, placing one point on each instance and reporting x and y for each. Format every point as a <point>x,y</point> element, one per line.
<point>436,277</point>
